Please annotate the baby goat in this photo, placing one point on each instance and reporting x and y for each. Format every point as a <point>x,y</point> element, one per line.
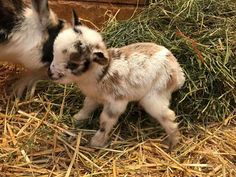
<point>27,36</point>
<point>143,72</point>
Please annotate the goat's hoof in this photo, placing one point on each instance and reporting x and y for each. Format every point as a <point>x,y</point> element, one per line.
<point>79,117</point>
<point>97,142</point>
<point>173,140</point>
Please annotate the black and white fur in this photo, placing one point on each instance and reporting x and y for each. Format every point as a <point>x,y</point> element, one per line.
<point>27,36</point>
<point>143,72</point>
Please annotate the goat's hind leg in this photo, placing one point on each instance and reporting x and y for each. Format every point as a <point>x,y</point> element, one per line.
<point>158,107</point>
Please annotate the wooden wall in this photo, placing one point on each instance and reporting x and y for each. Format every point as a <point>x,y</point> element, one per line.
<point>95,12</point>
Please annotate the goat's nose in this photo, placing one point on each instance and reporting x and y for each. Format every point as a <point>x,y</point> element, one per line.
<point>54,76</point>
<point>60,75</point>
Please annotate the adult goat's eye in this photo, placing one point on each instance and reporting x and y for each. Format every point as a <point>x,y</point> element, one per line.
<point>72,66</point>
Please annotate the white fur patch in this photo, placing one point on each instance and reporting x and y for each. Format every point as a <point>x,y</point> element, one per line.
<point>25,45</point>
<point>90,36</point>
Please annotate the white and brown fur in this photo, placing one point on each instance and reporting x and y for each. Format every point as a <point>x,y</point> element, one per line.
<point>27,36</point>
<point>143,72</point>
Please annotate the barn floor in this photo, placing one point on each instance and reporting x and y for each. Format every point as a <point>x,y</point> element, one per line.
<point>39,138</point>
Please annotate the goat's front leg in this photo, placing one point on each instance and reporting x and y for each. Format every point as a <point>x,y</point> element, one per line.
<point>108,118</point>
<point>89,106</point>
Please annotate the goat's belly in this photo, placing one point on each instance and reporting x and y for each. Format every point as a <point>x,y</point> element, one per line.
<point>132,94</point>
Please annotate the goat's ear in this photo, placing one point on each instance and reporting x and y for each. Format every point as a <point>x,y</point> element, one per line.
<point>42,10</point>
<point>75,19</point>
<point>100,57</point>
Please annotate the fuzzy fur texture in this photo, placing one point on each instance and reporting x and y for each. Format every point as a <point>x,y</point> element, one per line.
<point>143,72</point>
<point>27,36</point>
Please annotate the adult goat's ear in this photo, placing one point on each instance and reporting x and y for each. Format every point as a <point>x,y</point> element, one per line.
<point>41,8</point>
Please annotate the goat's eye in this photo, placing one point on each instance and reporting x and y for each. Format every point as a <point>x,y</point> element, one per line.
<point>72,66</point>
<point>75,56</point>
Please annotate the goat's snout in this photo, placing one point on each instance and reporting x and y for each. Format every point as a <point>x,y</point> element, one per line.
<point>53,76</point>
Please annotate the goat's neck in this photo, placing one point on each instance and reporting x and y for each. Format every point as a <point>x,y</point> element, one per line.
<point>89,81</point>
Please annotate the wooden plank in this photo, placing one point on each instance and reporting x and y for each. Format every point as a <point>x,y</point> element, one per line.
<point>130,2</point>
<point>93,14</point>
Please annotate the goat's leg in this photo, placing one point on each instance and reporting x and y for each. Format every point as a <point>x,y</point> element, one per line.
<point>108,119</point>
<point>89,106</point>
<point>157,106</point>
<point>28,82</point>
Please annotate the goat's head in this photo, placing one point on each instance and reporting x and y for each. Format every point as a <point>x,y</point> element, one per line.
<point>76,51</point>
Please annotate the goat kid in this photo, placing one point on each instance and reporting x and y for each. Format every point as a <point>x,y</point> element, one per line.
<point>143,72</point>
<point>27,36</point>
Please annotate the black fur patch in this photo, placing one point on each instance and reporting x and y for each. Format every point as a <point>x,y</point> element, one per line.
<point>84,68</point>
<point>77,46</point>
<point>53,32</point>
<point>19,5</point>
<point>72,66</point>
<point>78,68</point>
<point>10,17</point>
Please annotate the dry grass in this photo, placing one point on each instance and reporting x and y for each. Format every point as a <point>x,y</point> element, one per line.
<point>39,138</point>
<point>35,141</point>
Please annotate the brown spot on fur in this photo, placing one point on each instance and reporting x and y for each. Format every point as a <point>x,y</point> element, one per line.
<point>111,81</point>
<point>144,48</point>
<point>64,51</point>
<point>111,112</point>
<point>97,46</point>
<point>114,53</point>
<point>102,127</point>
<point>120,97</point>
<point>104,72</point>
<point>115,78</point>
